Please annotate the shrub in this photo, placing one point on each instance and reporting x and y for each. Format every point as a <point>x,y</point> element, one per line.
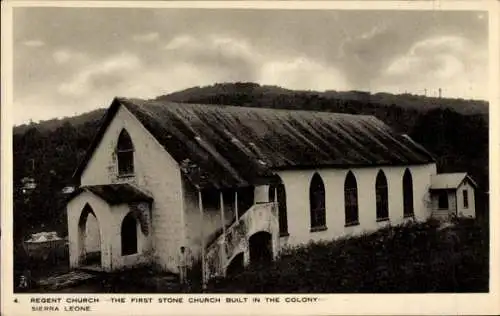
<point>415,257</point>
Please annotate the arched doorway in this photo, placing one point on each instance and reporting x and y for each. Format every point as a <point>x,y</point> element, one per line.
<point>129,235</point>
<point>89,238</point>
<point>236,265</point>
<point>260,245</point>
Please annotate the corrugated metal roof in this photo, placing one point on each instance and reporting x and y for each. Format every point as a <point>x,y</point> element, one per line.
<point>449,180</point>
<point>115,194</point>
<point>228,146</point>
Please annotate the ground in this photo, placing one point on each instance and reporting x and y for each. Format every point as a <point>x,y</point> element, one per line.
<point>413,258</point>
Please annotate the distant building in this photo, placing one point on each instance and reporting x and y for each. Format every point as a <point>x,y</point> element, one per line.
<point>28,185</point>
<point>41,245</point>
<point>68,190</point>
<point>452,194</point>
<point>234,185</point>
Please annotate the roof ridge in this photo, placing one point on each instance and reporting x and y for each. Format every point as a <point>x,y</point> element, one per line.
<point>254,108</point>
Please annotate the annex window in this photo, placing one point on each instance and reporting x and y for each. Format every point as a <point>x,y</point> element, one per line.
<point>125,154</point>
<point>282,212</point>
<point>129,235</point>
<point>443,200</point>
<point>382,196</point>
<point>317,202</point>
<point>407,194</point>
<point>351,200</point>
<point>465,194</point>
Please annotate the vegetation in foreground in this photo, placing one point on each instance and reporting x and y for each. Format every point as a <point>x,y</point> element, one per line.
<point>413,258</point>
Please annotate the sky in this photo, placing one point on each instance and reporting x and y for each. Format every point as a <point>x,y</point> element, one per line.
<point>69,61</point>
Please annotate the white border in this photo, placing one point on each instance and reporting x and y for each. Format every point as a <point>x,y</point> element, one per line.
<point>416,304</point>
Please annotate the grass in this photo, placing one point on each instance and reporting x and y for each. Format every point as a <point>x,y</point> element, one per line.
<point>412,258</point>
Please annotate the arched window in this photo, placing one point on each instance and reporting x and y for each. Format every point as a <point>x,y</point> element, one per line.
<point>382,196</point>
<point>317,202</point>
<point>351,200</point>
<point>129,235</point>
<point>407,194</point>
<point>282,213</point>
<point>125,154</point>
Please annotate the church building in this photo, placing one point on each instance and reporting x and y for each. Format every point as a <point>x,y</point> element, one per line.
<point>235,185</point>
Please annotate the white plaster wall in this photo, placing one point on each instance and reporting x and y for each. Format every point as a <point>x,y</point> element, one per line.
<point>93,236</point>
<point>144,245</point>
<point>471,210</point>
<point>155,172</point>
<point>212,220</point>
<point>103,216</point>
<point>297,193</point>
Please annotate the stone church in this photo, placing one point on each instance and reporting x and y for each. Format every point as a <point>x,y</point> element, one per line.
<point>235,185</point>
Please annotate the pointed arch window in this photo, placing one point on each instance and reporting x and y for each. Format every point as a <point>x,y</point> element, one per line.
<point>317,203</point>
<point>125,154</point>
<point>351,200</point>
<point>382,197</point>
<point>407,194</point>
<point>282,212</point>
<point>129,235</point>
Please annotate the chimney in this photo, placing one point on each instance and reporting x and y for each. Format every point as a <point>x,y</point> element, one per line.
<point>440,93</point>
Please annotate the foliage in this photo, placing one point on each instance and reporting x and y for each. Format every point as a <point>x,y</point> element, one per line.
<point>411,258</point>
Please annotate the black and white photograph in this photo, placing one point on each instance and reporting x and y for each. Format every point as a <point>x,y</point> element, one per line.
<point>250,150</point>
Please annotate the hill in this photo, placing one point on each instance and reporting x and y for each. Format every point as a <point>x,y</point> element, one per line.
<point>456,131</point>
<point>255,95</point>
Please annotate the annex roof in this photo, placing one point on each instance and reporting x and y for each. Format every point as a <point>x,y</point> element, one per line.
<point>445,181</point>
<point>115,194</point>
<point>229,146</point>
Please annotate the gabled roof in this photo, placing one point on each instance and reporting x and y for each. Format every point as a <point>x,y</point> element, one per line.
<point>115,194</point>
<point>445,181</point>
<point>228,146</point>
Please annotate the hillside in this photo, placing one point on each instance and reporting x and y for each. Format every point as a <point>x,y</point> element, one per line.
<point>251,94</point>
<point>456,131</point>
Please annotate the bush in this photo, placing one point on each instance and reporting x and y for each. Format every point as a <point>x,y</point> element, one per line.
<point>410,258</point>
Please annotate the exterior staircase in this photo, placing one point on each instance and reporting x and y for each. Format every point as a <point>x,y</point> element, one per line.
<point>234,240</point>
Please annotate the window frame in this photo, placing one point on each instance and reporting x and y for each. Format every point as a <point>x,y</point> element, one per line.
<point>465,198</point>
<point>317,203</point>
<point>125,155</point>
<point>382,197</point>
<point>351,200</point>
<point>408,194</point>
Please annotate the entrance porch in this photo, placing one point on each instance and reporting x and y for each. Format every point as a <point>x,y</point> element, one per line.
<point>109,227</point>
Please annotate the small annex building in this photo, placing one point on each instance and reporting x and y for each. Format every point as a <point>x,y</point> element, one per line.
<point>234,185</point>
<point>452,195</point>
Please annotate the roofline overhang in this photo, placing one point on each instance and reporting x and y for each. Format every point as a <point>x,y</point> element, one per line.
<point>347,166</point>
<point>83,189</point>
<point>104,123</point>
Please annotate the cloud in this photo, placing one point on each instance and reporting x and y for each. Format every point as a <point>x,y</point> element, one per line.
<point>186,61</point>
<point>452,63</point>
<point>64,56</point>
<point>235,59</point>
<point>147,37</point>
<point>361,55</point>
<point>302,73</point>
<point>101,75</point>
<point>33,43</point>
